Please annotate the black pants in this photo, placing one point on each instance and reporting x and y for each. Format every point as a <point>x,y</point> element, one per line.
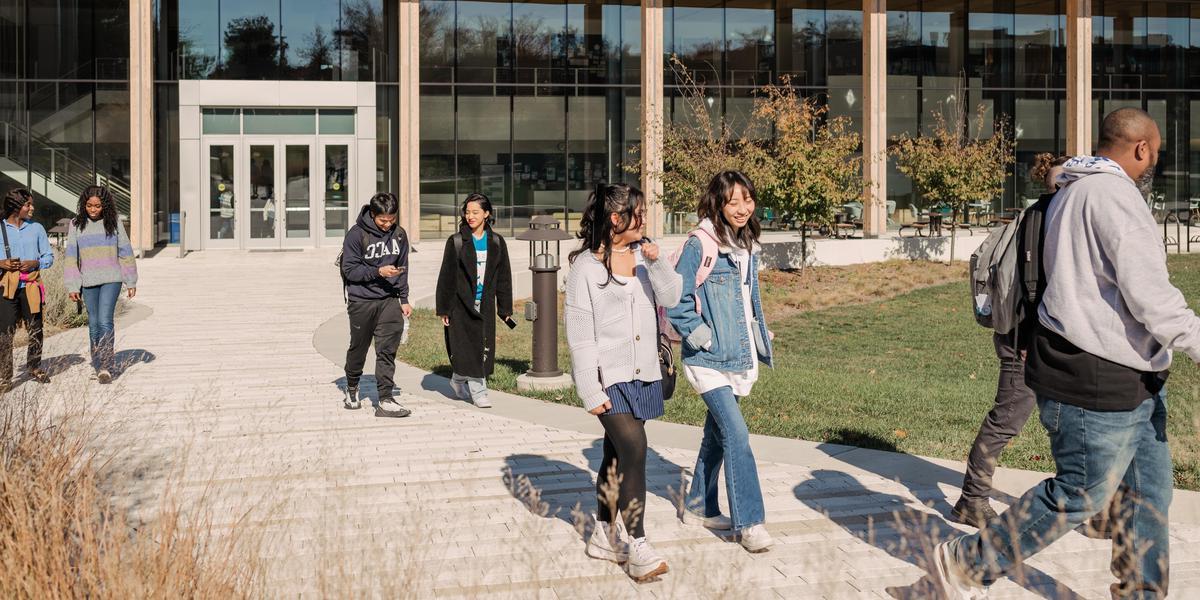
<point>12,311</point>
<point>624,459</point>
<point>380,321</point>
<point>1014,403</point>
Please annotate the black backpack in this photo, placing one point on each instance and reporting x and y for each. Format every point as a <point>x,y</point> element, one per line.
<point>1032,273</point>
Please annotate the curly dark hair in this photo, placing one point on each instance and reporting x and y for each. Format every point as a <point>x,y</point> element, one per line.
<point>108,209</point>
<point>14,200</point>
<point>1042,163</point>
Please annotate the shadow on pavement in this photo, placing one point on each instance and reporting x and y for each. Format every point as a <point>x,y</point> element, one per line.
<point>552,489</point>
<point>889,523</point>
<point>916,472</point>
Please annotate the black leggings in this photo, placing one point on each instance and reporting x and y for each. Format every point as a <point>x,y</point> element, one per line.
<point>624,453</point>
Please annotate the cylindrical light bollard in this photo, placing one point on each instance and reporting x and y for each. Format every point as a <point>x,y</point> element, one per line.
<point>544,237</point>
<point>545,326</point>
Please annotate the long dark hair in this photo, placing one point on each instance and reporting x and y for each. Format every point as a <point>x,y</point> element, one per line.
<point>596,228</point>
<point>108,209</point>
<point>484,203</point>
<point>720,190</point>
<point>14,200</point>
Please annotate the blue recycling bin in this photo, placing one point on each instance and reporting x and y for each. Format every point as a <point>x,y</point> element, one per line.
<point>173,229</point>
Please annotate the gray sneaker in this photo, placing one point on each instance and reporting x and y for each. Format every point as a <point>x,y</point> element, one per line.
<point>389,407</point>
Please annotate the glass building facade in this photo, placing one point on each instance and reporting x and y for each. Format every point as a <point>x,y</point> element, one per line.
<point>534,102</point>
<point>64,99</point>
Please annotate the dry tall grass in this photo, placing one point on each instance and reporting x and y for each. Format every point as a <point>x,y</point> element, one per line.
<point>62,537</point>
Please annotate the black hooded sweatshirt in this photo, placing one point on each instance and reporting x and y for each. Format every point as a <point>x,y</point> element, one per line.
<point>361,263</point>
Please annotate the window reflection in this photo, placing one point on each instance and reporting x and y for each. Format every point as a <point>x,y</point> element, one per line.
<point>697,29</point>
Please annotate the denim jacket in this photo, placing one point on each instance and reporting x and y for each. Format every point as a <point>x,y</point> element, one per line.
<point>721,319</point>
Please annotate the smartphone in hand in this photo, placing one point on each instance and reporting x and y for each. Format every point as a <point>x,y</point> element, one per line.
<point>510,322</point>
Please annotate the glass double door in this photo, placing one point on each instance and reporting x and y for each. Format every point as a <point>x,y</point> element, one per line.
<point>280,192</point>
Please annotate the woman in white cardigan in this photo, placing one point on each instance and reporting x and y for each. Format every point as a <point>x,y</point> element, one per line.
<point>616,279</point>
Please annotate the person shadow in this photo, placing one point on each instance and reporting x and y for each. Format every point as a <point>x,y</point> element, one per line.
<point>368,388</point>
<point>891,524</point>
<point>57,365</point>
<point>555,489</point>
<point>922,477</point>
<point>664,479</point>
<point>552,489</point>
<point>124,360</point>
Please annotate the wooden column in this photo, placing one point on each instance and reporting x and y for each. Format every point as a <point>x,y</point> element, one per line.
<point>875,117</point>
<point>408,186</point>
<point>653,111</point>
<point>141,125</point>
<point>1079,77</point>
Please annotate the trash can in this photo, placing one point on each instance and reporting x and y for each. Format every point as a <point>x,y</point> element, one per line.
<point>173,233</point>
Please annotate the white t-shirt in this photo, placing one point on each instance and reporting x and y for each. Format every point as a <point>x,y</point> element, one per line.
<point>704,379</point>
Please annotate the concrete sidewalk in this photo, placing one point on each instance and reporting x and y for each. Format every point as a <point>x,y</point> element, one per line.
<point>228,401</point>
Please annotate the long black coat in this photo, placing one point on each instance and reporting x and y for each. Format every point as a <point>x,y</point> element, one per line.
<point>471,336</point>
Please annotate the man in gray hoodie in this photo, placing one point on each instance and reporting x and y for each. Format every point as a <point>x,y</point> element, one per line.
<point>1109,320</point>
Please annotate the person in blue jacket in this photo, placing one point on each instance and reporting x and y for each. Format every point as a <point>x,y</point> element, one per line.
<point>374,267</point>
<point>26,254</point>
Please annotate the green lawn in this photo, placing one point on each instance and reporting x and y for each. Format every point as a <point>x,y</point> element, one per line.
<point>912,374</point>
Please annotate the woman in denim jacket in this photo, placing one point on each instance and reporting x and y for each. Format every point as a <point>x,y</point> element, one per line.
<point>724,339</point>
<point>616,279</point>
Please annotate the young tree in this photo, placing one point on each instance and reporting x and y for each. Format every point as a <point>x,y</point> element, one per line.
<point>813,164</point>
<point>951,167</point>
<point>697,144</point>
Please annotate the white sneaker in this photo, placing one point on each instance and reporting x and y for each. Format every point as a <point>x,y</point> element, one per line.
<point>645,563</point>
<point>482,401</point>
<point>949,578</point>
<point>459,389</point>
<point>720,522</point>
<point>755,539</point>
<point>607,543</point>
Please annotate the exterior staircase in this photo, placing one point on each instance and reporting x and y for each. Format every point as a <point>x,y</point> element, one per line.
<point>52,170</point>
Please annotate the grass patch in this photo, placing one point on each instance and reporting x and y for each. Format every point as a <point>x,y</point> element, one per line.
<point>884,356</point>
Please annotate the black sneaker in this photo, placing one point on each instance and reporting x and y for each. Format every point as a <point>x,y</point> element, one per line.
<point>389,407</point>
<point>351,401</point>
<point>975,513</point>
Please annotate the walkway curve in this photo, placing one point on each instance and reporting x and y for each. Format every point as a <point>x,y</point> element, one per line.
<point>238,407</point>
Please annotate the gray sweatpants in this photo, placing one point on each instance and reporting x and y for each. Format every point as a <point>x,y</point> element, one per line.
<point>1014,403</point>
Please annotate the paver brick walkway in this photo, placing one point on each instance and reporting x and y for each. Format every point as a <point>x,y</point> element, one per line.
<point>230,400</point>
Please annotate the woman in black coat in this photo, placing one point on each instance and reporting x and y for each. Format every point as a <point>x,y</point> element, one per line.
<point>475,282</point>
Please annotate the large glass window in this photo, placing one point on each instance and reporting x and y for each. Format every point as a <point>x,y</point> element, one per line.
<point>800,27</point>
<point>76,40</point>
<point>1040,44</point>
<point>697,27</point>
<point>313,40</point>
<point>485,39</point>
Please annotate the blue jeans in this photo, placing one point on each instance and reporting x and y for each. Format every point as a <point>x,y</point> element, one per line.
<point>101,301</point>
<point>1102,457</point>
<point>726,441</point>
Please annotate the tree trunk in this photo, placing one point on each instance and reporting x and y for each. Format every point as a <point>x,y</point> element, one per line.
<point>803,246</point>
<point>953,232</point>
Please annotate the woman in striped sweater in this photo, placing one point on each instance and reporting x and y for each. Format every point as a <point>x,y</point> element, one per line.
<point>99,259</point>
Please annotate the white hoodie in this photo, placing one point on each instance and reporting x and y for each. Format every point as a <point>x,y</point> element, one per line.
<point>1107,287</point>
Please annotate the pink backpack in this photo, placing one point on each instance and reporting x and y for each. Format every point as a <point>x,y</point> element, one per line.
<point>708,260</point>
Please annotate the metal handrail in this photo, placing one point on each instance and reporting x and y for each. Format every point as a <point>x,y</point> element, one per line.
<point>71,176</point>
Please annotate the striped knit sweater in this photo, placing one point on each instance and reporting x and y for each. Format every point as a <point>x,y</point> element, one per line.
<point>94,258</point>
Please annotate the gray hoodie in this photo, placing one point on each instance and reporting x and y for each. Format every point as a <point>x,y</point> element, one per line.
<point>1107,287</point>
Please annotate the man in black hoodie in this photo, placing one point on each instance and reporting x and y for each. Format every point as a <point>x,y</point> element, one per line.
<point>374,268</point>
